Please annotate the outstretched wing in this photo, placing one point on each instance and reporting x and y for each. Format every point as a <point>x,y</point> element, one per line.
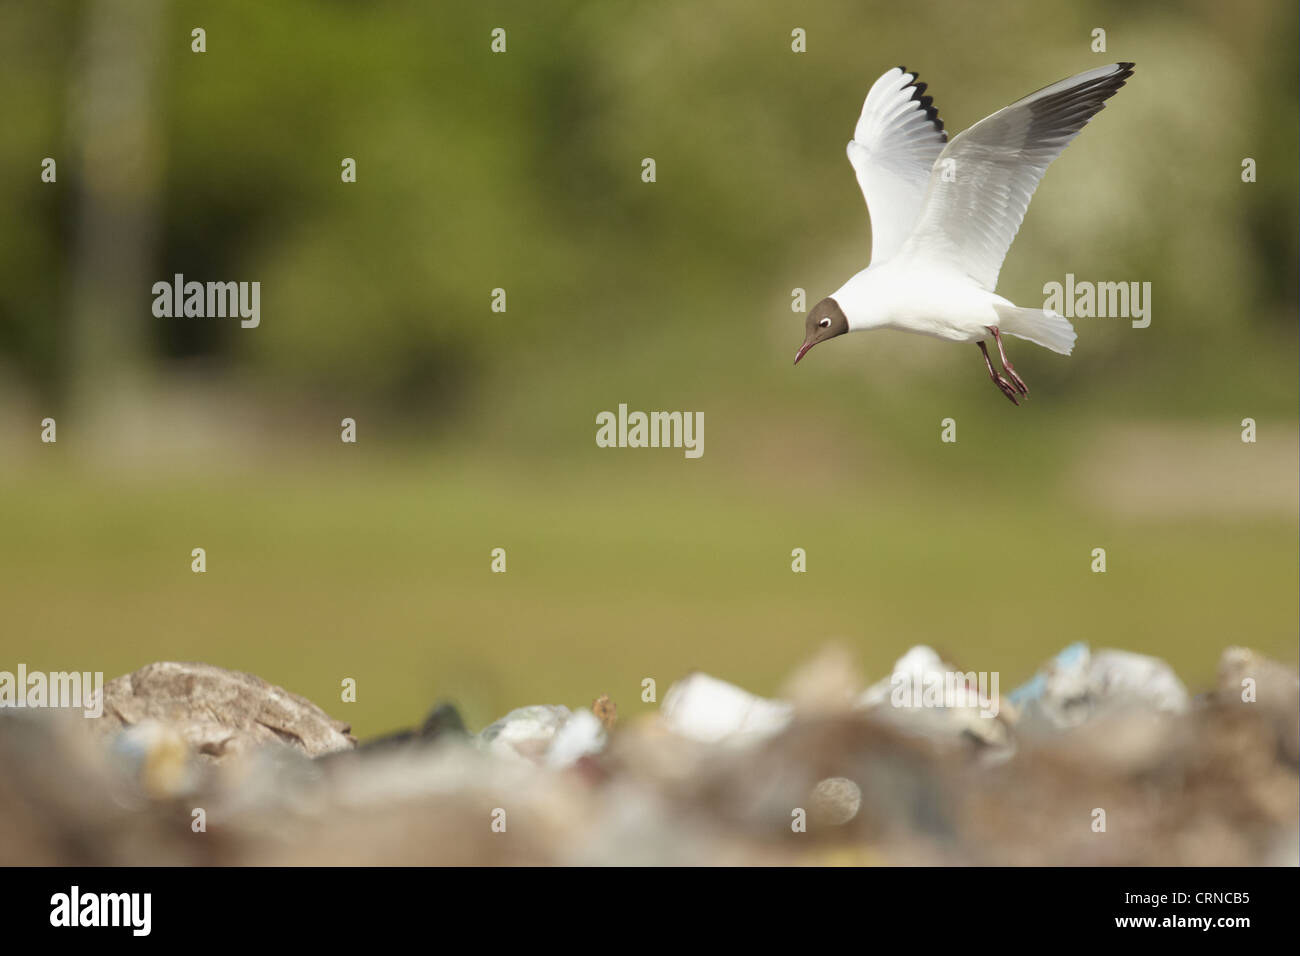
<point>982,182</point>
<point>898,137</point>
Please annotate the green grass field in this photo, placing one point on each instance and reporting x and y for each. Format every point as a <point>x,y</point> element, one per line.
<point>631,566</point>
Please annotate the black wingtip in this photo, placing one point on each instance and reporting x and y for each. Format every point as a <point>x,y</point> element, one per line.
<point>927,102</point>
<point>1120,77</point>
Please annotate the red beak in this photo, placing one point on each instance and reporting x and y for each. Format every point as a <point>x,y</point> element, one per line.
<point>803,350</point>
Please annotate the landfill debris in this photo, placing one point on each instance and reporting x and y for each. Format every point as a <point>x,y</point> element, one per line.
<point>605,710</point>
<point>443,721</point>
<point>525,733</point>
<point>712,711</point>
<point>925,695</point>
<point>834,772</point>
<point>157,756</point>
<point>1077,686</point>
<point>836,800</point>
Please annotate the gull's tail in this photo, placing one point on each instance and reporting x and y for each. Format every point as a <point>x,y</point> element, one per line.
<point>1043,327</point>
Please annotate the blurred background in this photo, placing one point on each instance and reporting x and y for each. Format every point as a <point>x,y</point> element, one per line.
<point>475,429</point>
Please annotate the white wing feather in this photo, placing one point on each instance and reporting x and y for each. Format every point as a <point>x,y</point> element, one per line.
<point>974,205</point>
<point>898,137</point>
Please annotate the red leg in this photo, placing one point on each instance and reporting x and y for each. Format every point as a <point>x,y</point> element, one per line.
<point>1007,388</point>
<point>1007,366</point>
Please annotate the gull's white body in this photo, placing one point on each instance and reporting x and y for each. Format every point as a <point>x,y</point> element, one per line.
<point>943,214</point>
<point>915,297</point>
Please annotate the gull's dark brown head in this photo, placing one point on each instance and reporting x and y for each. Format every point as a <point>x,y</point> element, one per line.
<point>825,321</point>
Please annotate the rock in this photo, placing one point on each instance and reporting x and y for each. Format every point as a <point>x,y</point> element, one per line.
<point>706,709</point>
<point>219,713</point>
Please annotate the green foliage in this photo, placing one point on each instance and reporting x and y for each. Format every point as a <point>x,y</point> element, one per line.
<point>521,170</point>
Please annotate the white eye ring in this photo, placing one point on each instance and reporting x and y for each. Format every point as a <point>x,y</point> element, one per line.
<point>825,323</point>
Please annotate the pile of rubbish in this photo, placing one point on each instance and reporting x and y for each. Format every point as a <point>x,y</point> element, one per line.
<point>1103,758</point>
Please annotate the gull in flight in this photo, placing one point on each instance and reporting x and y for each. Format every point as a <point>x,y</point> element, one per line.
<point>944,214</point>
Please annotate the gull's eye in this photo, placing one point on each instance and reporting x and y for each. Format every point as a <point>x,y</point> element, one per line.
<point>825,323</point>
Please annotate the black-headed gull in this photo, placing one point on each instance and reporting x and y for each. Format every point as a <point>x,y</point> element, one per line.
<point>944,214</point>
